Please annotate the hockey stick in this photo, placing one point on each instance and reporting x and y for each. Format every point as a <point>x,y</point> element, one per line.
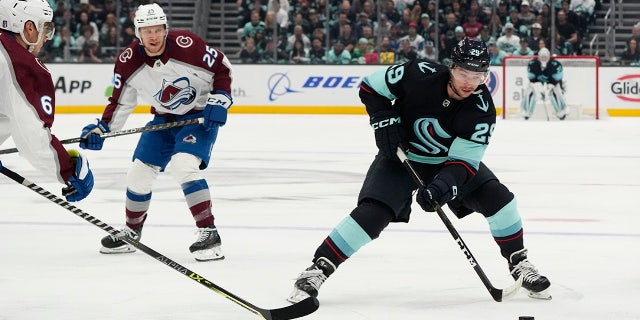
<point>497,294</point>
<point>300,309</point>
<point>154,127</point>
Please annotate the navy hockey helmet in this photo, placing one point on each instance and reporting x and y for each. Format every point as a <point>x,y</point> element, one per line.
<point>471,54</point>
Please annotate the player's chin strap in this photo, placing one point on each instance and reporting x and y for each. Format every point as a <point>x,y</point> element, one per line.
<point>497,294</point>
<point>297,310</point>
<point>154,127</point>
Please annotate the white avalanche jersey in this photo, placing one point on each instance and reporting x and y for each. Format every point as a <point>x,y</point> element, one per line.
<point>27,108</point>
<point>177,82</point>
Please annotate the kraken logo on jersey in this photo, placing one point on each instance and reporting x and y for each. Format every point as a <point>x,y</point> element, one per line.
<point>428,131</point>
<point>176,93</point>
<point>484,106</point>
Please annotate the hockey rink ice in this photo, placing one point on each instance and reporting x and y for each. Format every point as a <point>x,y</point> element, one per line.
<point>280,183</point>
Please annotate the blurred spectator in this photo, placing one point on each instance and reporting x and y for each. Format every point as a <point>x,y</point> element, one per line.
<point>272,54</point>
<point>635,31</point>
<point>387,54</point>
<point>382,29</point>
<point>338,54</point>
<point>299,20</point>
<point>298,35</point>
<point>472,27</point>
<point>416,40</point>
<point>272,30</point>
<point>563,47</point>
<point>336,27</point>
<point>110,20</point>
<point>363,21</point>
<point>110,43</point>
<point>281,10</point>
<point>495,55</point>
<point>128,29</point>
<point>526,16</point>
<point>515,20</point>
<point>314,21</point>
<point>250,53</point>
<point>403,25</point>
<point>318,33</point>
<point>90,52</point>
<point>508,42</point>
<point>502,12</point>
<point>584,10</point>
<point>298,54</point>
<point>406,52</point>
<point>62,43</point>
<point>429,51</point>
<point>426,28</point>
<point>245,8</point>
<point>631,54</point>
<point>534,38</point>
<point>567,31</point>
<point>84,22</point>
<point>367,33</point>
<point>448,29</point>
<point>416,12</point>
<point>62,16</point>
<point>251,27</point>
<point>317,52</point>
<point>390,11</point>
<point>476,10</point>
<point>347,38</point>
<point>449,44</point>
<point>523,49</point>
<point>544,19</point>
<point>87,34</point>
<point>485,35</point>
<point>359,52</point>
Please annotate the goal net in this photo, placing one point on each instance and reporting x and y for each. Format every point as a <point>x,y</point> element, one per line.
<point>580,84</point>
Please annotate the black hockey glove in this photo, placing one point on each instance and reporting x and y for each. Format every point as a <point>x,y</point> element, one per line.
<point>389,132</point>
<point>437,192</point>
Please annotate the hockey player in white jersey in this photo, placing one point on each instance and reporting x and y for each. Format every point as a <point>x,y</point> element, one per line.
<point>182,78</point>
<point>27,102</point>
<point>545,80</point>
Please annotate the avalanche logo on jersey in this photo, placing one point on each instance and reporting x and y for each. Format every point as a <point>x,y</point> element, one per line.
<point>176,93</point>
<point>184,42</point>
<point>190,139</point>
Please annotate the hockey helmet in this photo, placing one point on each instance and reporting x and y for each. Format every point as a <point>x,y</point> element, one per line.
<point>15,13</point>
<point>544,55</point>
<point>149,15</point>
<point>470,54</point>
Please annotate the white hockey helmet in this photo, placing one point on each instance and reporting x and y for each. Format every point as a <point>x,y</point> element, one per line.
<point>15,13</point>
<point>544,55</point>
<point>149,15</point>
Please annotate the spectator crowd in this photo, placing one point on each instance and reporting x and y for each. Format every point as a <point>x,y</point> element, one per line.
<point>350,31</point>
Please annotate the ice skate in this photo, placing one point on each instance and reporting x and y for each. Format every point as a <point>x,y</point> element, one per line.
<point>111,244</point>
<point>309,281</point>
<point>536,284</point>
<point>208,245</point>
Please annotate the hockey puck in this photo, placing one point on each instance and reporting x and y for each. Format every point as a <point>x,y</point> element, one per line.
<point>525,318</point>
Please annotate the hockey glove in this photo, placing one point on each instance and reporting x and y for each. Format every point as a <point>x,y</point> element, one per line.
<point>438,192</point>
<point>90,137</point>
<point>542,78</point>
<point>81,182</point>
<point>215,113</point>
<point>389,132</point>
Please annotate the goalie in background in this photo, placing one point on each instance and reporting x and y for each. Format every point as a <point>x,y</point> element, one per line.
<point>545,80</point>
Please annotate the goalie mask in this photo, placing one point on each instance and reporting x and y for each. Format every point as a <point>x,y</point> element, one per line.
<point>149,15</point>
<point>14,14</point>
<point>544,55</point>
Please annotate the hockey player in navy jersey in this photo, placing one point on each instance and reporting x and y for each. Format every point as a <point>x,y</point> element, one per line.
<point>545,79</point>
<point>27,101</point>
<point>443,117</point>
<point>182,78</point>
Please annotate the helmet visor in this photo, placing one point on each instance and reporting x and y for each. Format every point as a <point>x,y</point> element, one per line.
<point>468,76</point>
<point>48,29</point>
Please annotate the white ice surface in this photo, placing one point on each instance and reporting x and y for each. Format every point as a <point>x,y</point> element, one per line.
<point>280,183</point>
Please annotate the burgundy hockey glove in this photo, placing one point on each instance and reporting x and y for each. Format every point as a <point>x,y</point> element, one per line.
<point>389,132</point>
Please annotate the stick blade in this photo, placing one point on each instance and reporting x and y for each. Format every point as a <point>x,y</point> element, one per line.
<point>297,310</point>
<point>508,292</point>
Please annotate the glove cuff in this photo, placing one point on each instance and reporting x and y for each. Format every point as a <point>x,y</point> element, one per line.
<point>385,118</point>
<point>220,98</point>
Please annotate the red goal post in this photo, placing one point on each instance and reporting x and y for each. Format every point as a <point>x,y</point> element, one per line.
<point>581,82</point>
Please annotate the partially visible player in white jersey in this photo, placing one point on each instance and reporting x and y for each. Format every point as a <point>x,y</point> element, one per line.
<point>182,78</point>
<point>545,79</point>
<point>27,102</point>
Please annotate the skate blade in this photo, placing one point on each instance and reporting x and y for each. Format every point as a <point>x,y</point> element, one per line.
<point>122,249</point>
<point>211,254</point>
<point>297,295</point>
<point>542,295</point>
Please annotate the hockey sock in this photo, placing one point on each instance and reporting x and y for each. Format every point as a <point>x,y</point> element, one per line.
<point>199,201</point>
